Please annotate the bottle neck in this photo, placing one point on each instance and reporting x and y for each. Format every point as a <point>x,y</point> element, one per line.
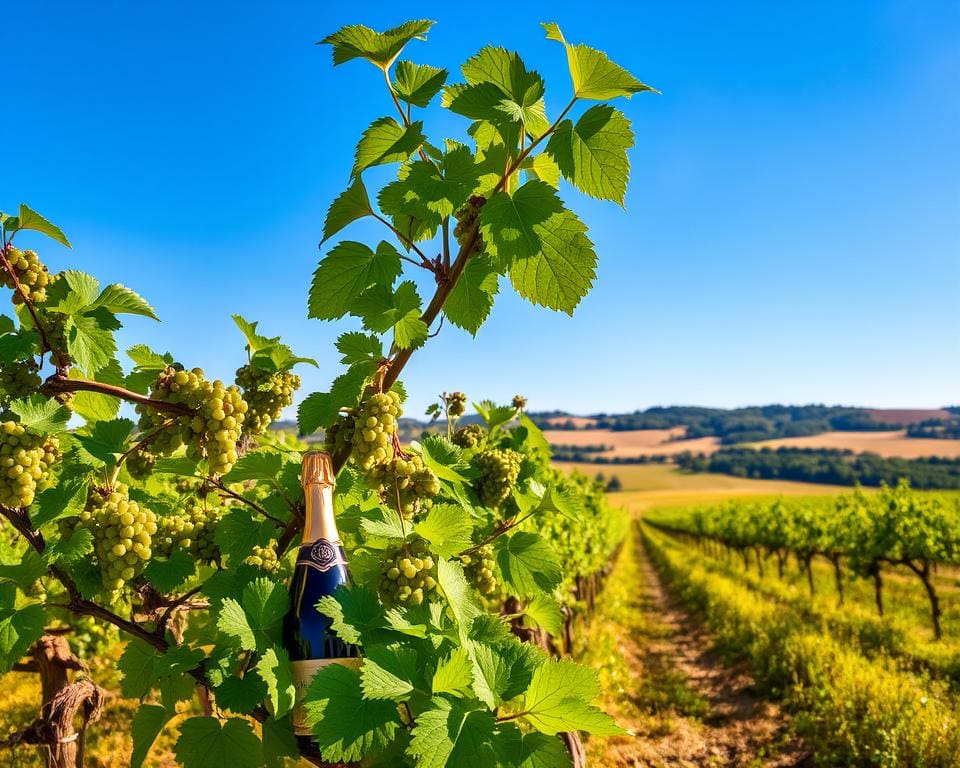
<point>319,522</point>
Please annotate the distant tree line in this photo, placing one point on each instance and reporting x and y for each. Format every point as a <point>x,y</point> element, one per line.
<point>575,453</point>
<point>737,425</point>
<point>943,429</point>
<point>825,465</point>
<point>592,448</point>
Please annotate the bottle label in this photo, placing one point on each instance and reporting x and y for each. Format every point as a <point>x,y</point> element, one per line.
<point>322,555</point>
<point>303,672</point>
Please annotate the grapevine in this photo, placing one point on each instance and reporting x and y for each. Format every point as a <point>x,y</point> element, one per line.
<point>434,569</point>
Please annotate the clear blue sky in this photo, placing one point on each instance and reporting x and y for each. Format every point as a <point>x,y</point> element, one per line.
<point>792,228</point>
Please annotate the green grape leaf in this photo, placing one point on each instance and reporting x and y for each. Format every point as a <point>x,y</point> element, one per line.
<point>544,611</point>
<point>90,339</point>
<point>417,84</point>
<point>30,219</point>
<point>255,341</point>
<point>389,672</point>
<point>280,743</point>
<point>471,299</point>
<point>65,499</point>
<point>351,205</point>
<point>454,674</point>
<point>382,310</point>
<point>206,742</point>
<point>170,573</point>
<point>321,408</point>
<point>118,299</point>
<point>379,48</point>
<point>148,722</point>
<point>431,191</point>
<point>355,613</point>
<point>275,670</point>
<point>528,563</point>
<point>451,736</point>
<point>39,414</point>
<point>138,664</point>
<point>241,694</point>
<point>18,631</point>
<point>592,155</point>
<point>562,273</point>
<point>538,750</point>
<point>455,588</point>
<point>386,141</point>
<point>107,439</point>
<point>522,91</point>
<point>178,659</point>
<point>29,567</point>
<point>176,465</point>
<point>18,345</point>
<point>345,725</point>
<point>512,224</point>
<point>73,293</point>
<point>258,465</point>
<point>233,622</point>
<point>448,528</point>
<point>594,75</point>
<point>559,697</point>
<point>476,102</point>
<point>265,602</point>
<point>239,531</point>
<point>70,549</point>
<point>491,673</point>
<point>345,273</point>
<point>94,406</point>
<point>145,358</point>
<point>383,523</point>
<point>359,347</point>
<point>543,167</point>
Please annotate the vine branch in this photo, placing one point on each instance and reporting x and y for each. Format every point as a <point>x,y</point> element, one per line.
<point>59,382</point>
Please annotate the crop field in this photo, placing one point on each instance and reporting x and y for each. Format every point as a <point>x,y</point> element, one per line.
<point>623,444</point>
<point>893,443</point>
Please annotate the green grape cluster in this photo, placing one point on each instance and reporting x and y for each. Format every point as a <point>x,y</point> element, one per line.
<point>519,402</point>
<point>499,469</point>
<point>376,424</point>
<point>470,436</point>
<point>140,464</point>
<point>123,533</point>
<point>264,558</point>
<point>480,569</point>
<point>267,395</point>
<point>339,436</point>
<point>466,219</point>
<point>192,531</point>
<point>31,274</point>
<point>212,432</point>
<point>19,379</point>
<point>406,479</point>
<point>55,328</point>
<point>408,575</point>
<point>25,462</point>
<point>456,404</point>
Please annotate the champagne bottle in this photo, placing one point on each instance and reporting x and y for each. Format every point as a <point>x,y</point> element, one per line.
<point>321,567</point>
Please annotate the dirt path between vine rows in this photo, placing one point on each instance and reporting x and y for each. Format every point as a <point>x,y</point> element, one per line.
<point>700,710</point>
